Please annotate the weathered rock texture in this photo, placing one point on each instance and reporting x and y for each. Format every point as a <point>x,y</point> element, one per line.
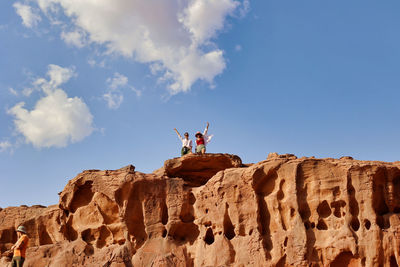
<point>213,211</point>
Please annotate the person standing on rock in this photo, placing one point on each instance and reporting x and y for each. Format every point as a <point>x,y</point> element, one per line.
<point>202,139</point>
<point>186,143</point>
<point>20,247</point>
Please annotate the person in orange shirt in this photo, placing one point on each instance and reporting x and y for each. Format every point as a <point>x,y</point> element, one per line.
<point>20,247</point>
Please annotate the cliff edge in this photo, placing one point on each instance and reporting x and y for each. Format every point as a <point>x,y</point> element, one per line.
<point>212,210</point>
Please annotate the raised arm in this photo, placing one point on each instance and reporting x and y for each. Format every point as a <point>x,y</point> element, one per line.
<point>206,129</point>
<point>180,137</point>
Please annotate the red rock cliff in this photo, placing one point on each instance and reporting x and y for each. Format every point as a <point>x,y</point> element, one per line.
<point>212,210</point>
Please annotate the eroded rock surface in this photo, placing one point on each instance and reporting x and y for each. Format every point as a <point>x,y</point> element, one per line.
<point>283,211</point>
<point>198,169</point>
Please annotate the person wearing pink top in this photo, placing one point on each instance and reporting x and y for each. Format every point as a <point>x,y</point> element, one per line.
<point>202,139</point>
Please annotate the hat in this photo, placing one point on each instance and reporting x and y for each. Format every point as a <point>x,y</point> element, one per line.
<point>21,229</point>
<point>199,133</point>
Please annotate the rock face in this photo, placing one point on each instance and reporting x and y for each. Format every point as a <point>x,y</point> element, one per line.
<point>213,211</point>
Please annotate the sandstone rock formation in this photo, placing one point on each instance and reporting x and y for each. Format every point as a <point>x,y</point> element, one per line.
<point>212,210</point>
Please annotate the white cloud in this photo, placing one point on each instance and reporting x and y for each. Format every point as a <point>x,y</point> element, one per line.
<point>92,62</point>
<point>75,38</point>
<point>113,99</point>
<point>56,120</point>
<point>4,146</point>
<point>176,35</point>
<point>203,18</point>
<point>118,80</point>
<point>28,15</point>
<point>114,96</point>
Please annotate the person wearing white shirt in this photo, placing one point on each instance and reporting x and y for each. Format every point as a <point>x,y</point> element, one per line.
<point>186,143</point>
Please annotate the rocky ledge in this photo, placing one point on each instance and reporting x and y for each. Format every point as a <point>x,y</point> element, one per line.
<point>212,210</point>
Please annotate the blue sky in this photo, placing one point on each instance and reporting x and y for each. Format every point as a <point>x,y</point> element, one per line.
<point>104,87</point>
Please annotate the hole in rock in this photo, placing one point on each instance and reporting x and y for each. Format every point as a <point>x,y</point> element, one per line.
<point>209,238</point>
<point>307,225</point>
<point>134,217</point>
<point>393,262</point>
<point>87,236</point>
<point>280,194</point>
<point>164,215</point>
<point>378,192</point>
<point>367,224</point>
<point>192,199</point>
<point>324,210</point>
<point>251,232</point>
<point>395,194</point>
<point>184,232</point>
<point>104,235</point>
<point>89,250</point>
<point>281,262</point>
<point>322,225</point>
<point>8,236</point>
<point>313,225</point>
<point>229,229</point>
<point>44,238</point>
<point>292,211</point>
<point>164,233</point>
<point>355,223</point>
<point>82,196</point>
<point>285,242</point>
<point>71,234</point>
<point>382,223</point>
<point>345,259</point>
<point>337,206</point>
<point>206,210</point>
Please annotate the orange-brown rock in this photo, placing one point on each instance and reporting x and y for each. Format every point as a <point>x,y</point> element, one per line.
<point>198,169</point>
<point>284,211</point>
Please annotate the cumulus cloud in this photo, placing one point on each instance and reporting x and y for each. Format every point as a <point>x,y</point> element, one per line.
<point>56,120</point>
<point>114,96</point>
<point>175,35</point>
<point>28,15</point>
<point>204,18</point>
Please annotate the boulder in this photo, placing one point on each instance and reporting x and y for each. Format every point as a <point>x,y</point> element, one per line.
<point>198,169</point>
